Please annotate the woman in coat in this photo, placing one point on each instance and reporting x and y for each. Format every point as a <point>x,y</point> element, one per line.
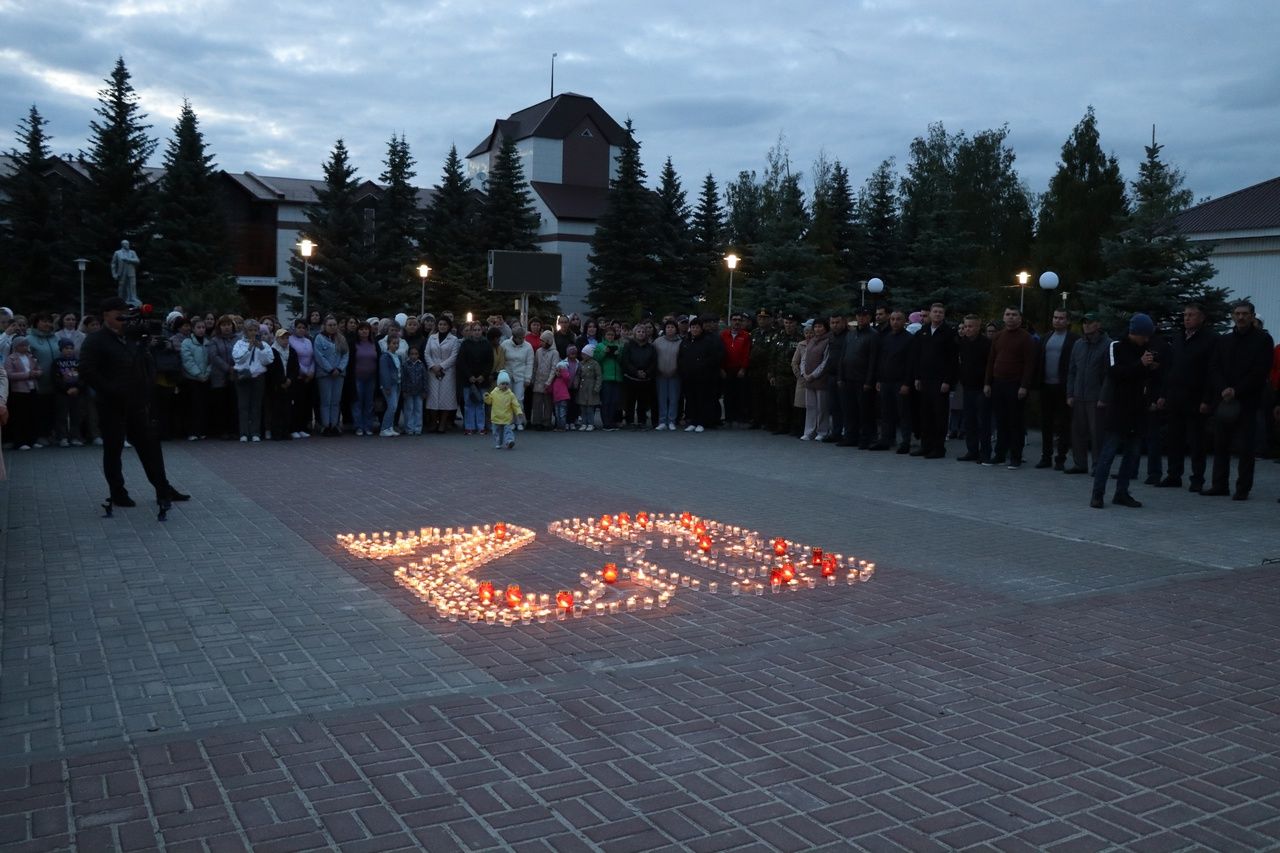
<point>442,380</point>
<point>474,369</point>
<point>331,359</point>
<point>813,372</point>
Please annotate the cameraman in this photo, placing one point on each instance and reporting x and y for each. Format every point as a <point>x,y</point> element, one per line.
<point>116,362</point>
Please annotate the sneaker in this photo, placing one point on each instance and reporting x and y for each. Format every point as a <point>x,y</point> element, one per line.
<point>64,443</point>
<point>388,433</point>
<point>519,427</point>
<point>590,428</point>
<point>690,428</point>
<point>295,435</point>
<point>511,444</point>
<point>304,435</point>
<point>359,432</point>
<point>1126,500</point>
<point>806,437</point>
<point>193,438</point>
<point>24,447</point>
<point>244,439</point>
<point>660,428</point>
<point>97,442</point>
<point>256,438</point>
<point>126,444</point>
<point>1014,465</point>
<point>698,429</point>
<point>75,442</point>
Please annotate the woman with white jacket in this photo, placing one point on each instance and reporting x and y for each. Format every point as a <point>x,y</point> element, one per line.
<point>250,356</point>
<point>518,354</point>
<point>442,379</point>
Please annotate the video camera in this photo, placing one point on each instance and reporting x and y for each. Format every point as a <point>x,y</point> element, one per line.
<point>139,324</point>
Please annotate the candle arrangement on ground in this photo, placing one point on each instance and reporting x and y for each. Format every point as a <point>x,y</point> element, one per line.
<point>442,576</point>
<point>753,562</point>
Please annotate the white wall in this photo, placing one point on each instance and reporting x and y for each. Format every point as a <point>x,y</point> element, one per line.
<point>543,159</point>
<point>573,273</point>
<point>1250,267</point>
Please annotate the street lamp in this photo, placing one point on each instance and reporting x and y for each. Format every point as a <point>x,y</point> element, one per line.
<point>1023,277</point>
<point>423,272</point>
<point>731,260</point>
<point>875,285</point>
<point>305,248</point>
<point>81,263</point>
<point>1049,282</point>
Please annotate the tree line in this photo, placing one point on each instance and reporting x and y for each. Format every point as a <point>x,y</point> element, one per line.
<point>955,225</point>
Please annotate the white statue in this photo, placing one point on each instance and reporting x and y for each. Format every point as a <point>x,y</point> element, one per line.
<point>124,269</point>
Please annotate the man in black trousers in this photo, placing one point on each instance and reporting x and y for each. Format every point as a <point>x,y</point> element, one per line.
<point>1237,377</point>
<point>1054,359</point>
<point>118,366</point>
<point>1183,398</point>
<point>934,367</point>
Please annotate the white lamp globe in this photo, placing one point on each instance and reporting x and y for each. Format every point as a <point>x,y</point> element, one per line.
<point>875,285</point>
<point>1048,280</point>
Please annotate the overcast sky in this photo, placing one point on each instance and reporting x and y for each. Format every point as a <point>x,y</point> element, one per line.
<point>710,84</point>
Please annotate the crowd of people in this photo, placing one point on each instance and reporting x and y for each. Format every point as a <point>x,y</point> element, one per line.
<point>878,379</point>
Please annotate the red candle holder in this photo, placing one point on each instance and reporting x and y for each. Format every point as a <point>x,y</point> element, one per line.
<point>817,556</point>
<point>704,543</point>
<point>788,571</point>
<point>605,522</point>
<point>624,519</point>
<point>514,595</point>
<point>609,574</point>
<point>564,599</point>
<point>828,566</point>
<point>686,519</point>
<point>779,546</point>
<point>485,591</point>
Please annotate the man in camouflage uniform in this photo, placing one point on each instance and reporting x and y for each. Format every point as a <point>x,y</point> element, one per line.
<point>782,348</point>
<point>758,372</point>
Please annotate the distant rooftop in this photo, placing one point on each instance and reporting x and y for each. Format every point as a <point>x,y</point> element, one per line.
<point>1254,208</point>
<point>554,118</point>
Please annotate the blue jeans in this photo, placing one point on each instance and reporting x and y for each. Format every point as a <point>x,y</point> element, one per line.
<point>503,434</point>
<point>1112,444</point>
<point>562,413</point>
<point>413,413</point>
<point>364,404</point>
<point>473,408</point>
<point>668,399</point>
<point>393,399</point>
<point>330,396</point>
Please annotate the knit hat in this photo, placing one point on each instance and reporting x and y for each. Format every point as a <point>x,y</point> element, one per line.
<point>504,378</point>
<point>1141,324</point>
<point>64,343</point>
<point>562,365</point>
<point>20,339</point>
<point>588,351</point>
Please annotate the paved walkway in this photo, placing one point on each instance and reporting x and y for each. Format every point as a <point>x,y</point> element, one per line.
<point>1023,672</point>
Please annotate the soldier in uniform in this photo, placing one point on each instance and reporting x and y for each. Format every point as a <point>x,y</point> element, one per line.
<point>758,372</point>
<point>783,381</point>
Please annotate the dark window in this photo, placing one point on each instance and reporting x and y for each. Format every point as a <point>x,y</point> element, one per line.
<point>370,225</point>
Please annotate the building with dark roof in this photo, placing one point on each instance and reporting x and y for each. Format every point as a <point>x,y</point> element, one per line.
<point>1244,228</point>
<point>569,148</point>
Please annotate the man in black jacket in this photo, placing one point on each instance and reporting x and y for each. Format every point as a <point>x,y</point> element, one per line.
<point>893,388</point>
<point>835,355</point>
<point>1054,359</point>
<point>1237,377</point>
<point>120,370</point>
<point>1129,367</point>
<point>639,369</point>
<point>856,373</point>
<point>934,366</point>
<point>972,349</point>
<point>1183,397</point>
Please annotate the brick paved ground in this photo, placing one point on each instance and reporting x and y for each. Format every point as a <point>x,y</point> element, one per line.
<point>1022,673</point>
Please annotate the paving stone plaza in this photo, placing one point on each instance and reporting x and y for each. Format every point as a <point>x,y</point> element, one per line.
<point>1022,672</point>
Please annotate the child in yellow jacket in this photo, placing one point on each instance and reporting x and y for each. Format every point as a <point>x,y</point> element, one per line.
<point>504,410</point>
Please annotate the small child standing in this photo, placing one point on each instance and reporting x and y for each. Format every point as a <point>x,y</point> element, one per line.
<point>560,395</point>
<point>70,390</point>
<point>413,391</point>
<point>588,381</point>
<point>504,409</point>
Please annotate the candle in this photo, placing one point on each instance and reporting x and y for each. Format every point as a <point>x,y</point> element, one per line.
<point>514,595</point>
<point>610,573</point>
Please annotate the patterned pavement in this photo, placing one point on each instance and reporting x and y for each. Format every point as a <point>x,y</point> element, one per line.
<point>1022,672</point>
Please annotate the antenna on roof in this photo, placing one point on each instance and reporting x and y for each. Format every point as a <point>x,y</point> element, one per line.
<point>553,74</point>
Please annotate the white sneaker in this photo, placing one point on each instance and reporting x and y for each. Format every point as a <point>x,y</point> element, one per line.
<point>126,444</point>
<point>24,447</point>
<point>75,442</point>
<point>697,429</point>
<point>193,438</point>
<point>359,432</point>
<point>64,443</point>
<point>244,439</point>
<point>822,436</point>
<point>97,442</point>
<point>660,428</point>
<point>295,435</point>
<point>304,435</point>
<point>590,427</point>
<point>256,439</point>
<point>519,427</point>
<point>806,437</point>
<point>691,428</point>
<point>388,433</point>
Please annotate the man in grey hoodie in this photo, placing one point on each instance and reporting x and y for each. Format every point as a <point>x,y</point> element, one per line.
<point>1085,376</point>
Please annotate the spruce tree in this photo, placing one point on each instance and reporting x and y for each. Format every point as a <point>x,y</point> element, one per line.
<point>450,245</point>
<point>1085,204</point>
<point>784,271</point>
<point>680,273</point>
<point>835,232</point>
<point>119,202</point>
<point>396,254</point>
<point>508,218</point>
<point>743,221</point>
<point>708,242</point>
<point>623,276</point>
<point>30,233</point>
<point>877,213</point>
<point>189,254</point>
<point>1153,267</point>
<point>341,260</point>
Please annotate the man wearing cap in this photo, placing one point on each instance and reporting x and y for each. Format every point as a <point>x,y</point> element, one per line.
<point>733,369</point>
<point>1237,377</point>
<point>782,379</point>
<point>1182,398</point>
<point>763,414</point>
<point>1086,376</point>
<point>1130,365</point>
<point>120,370</point>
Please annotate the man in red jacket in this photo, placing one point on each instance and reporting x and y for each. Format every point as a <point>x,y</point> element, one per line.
<point>733,369</point>
<point>1011,366</point>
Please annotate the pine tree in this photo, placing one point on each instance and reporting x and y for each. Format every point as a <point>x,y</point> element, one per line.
<point>119,203</point>
<point>450,247</point>
<point>623,278</point>
<point>189,253</point>
<point>708,243</point>
<point>339,266</point>
<point>835,232</point>
<point>30,236</point>
<point>1152,266</point>
<point>509,219</point>
<point>680,273</point>
<point>743,222</point>
<point>396,254</point>
<point>784,271</point>
<point>1085,203</point>
<point>877,213</point>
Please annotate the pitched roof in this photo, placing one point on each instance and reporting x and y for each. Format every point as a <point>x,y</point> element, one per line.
<point>573,202</point>
<point>554,118</point>
<point>303,190</point>
<point>1250,209</point>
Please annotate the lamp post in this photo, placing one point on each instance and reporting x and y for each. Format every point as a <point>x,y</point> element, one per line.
<point>81,263</point>
<point>305,248</point>
<point>1022,277</point>
<point>423,272</point>
<point>731,260</point>
<point>1049,282</point>
<point>874,285</point>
